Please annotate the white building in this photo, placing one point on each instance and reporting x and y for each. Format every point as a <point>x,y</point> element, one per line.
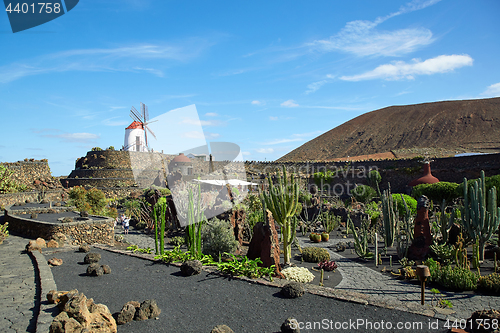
<point>134,137</point>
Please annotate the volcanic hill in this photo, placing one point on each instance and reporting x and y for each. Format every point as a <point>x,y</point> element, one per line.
<point>442,128</point>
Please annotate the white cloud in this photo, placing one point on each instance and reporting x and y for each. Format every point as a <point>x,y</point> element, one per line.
<point>492,91</point>
<point>211,114</point>
<point>194,135</point>
<point>273,118</point>
<point>258,103</point>
<point>246,153</point>
<point>316,85</point>
<point>401,70</point>
<point>363,39</point>
<point>265,150</point>
<point>289,104</point>
<point>279,141</point>
<point>150,58</point>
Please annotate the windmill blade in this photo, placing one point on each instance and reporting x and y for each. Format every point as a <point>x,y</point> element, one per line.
<point>135,118</point>
<point>149,122</point>
<point>143,111</point>
<point>146,113</point>
<point>150,131</point>
<point>136,114</point>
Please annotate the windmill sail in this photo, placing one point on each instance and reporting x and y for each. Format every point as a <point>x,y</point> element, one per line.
<point>142,117</point>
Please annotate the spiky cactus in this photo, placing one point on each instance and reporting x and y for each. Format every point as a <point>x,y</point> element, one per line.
<point>445,223</point>
<point>390,218</point>
<point>282,200</point>
<point>480,215</point>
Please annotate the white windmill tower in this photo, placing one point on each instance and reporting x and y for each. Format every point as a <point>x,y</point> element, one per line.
<point>136,137</point>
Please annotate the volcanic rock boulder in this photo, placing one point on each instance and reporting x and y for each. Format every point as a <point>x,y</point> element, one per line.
<point>191,267</point>
<point>221,329</point>
<point>292,290</point>
<point>92,257</point>
<point>147,310</point>
<point>126,314</point>
<point>106,269</point>
<point>55,262</point>
<point>83,315</point>
<point>84,248</point>
<point>95,269</point>
<point>52,244</point>
<point>36,245</point>
<point>291,325</point>
<point>265,245</point>
<point>60,238</point>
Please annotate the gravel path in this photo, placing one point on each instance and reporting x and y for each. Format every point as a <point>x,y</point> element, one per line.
<point>198,303</point>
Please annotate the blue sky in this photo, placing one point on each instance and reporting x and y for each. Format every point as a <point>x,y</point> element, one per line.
<point>266,75</point>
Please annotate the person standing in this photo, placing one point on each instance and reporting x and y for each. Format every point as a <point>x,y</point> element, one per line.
<point>126,225</point>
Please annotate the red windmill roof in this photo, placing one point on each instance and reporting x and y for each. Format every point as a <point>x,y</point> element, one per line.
<point>134,125</point>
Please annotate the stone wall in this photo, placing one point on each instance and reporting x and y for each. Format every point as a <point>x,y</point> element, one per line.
<point>28,171</point>
<point>396,172</point>
<point>32,196</point>
<point>98,231</point>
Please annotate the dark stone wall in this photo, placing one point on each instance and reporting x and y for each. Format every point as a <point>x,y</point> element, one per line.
<point>99,231</point>
<point>27,171</point>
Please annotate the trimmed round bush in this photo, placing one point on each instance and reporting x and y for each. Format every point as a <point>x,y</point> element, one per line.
<point>363,193</point>
<point>400,206</point>
<point>315,254</point>
<point>438,191</point>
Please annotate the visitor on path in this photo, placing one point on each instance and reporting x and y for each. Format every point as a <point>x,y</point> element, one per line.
<point>122,219</point>
<point>126,225</point>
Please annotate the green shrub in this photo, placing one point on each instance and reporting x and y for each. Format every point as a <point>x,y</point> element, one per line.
<point>457,278</point>
<point>96,149</point>
<point>4,233</point>
<point>163,191</point>
<point>434,268</point>
<point>490,283</point>
<point>177,241</point>
<point>400,206</point>
<point>437,191</point>
<point>96,200</point>
<point>7,182</point>
<point>78,199</point>
<point>373,211</point>
<point>315,254</point>
<point>218,237</point>
<point>111,148</point>
<point>363,193</point>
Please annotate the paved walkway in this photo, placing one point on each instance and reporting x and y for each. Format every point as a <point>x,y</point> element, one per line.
<point>18,287</point>
<point>382,288</point>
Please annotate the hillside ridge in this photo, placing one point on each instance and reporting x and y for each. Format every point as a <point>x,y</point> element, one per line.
<point>446,126</point>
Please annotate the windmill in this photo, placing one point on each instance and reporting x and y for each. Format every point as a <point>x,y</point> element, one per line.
<point>142,118</point>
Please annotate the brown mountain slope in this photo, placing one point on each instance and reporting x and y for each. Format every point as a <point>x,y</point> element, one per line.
<point>468,125</point>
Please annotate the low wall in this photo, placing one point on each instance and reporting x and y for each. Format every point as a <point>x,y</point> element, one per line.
<point>91,232</point>
<point>7,199</point>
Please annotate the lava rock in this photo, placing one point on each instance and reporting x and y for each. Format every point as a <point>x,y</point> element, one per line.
<point>52,243</point>
<point>147,310</point>
<point>291,325</point>
<point>191,267</point>
<point>106,269</point>
<point>84,248</point>
<point>126,314</point>
<point>221,329</point>
<point>95,270</point>
<point>55,262</point>
<point>92,257</point>
<point>292,290</point>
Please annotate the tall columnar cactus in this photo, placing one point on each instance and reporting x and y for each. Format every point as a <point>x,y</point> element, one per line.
<point>480,215</point>
<point>195,219</point>
<point>159,211</point>
<point>445,223</point>
<point>282,200</point>
<point>390,218</point>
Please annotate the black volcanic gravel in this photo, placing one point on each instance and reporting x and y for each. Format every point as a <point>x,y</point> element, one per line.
<point>198,303</point>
